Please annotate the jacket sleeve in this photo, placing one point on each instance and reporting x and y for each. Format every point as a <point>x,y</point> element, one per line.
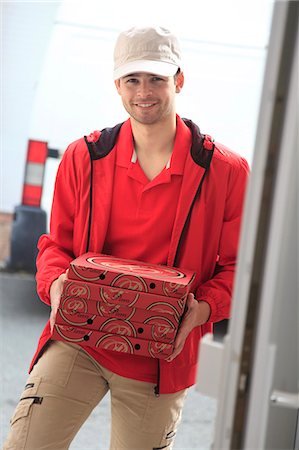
<point>218,290</point>
<point>56,249</point>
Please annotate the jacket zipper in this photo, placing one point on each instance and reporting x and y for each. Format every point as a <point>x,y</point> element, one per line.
<point>188,218</point>
<point>157,387</point>
<point>90,199</point>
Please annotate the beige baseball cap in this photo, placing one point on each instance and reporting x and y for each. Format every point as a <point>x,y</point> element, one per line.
<point>152,49</point>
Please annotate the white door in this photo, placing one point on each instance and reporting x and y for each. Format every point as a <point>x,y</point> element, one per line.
<point>258,387</point>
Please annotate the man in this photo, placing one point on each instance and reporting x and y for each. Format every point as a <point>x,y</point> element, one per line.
<point>151,189</point>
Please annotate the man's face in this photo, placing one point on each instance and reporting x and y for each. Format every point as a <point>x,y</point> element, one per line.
<point>149,98</point>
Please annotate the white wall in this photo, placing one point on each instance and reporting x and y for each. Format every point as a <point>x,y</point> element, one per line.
<point>26,29</point>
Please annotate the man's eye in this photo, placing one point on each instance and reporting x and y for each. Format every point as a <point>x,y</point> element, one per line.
<point>132,80</point>
<point>157,79</point>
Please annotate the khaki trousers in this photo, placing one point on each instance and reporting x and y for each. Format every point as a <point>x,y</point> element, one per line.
<point>64,387</point>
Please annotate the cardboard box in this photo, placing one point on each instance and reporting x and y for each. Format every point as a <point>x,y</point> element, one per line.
<point>156,329</point>
<point>112,342</point>
<point>132,275</point>
<point>122,305</point>
<point>161,312</point>
<point>119,296</point>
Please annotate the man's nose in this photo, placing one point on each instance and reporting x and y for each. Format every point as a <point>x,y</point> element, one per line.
<point>144,89</point>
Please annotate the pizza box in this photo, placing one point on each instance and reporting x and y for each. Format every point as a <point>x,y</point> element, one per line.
<point>133,275</point>
<point>112,342</point>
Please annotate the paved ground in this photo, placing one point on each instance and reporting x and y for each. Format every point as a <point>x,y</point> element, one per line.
<point>23,317</point>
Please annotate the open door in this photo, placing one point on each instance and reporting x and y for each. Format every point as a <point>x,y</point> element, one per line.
<point>258,362</point>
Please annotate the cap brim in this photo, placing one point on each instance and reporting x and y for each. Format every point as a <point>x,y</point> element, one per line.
<point>162,68</point>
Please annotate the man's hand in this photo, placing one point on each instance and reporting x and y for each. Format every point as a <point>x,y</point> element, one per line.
<point>197,314</point>
<point>55,295</point>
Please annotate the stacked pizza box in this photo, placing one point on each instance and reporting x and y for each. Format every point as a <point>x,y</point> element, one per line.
<point>122,305</point>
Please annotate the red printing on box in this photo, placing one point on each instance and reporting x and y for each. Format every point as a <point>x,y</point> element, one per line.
<point>132,275</point>
<point>113,342</point>
<point>156,328</point>
<point>90,307</point>
<point>125,297</point>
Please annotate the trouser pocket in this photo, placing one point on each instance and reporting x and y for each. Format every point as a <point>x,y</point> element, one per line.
<point>61,391</point>
<point>20,420</point>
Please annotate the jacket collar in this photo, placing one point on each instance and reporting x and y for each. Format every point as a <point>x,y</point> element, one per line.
<point>101,143</point>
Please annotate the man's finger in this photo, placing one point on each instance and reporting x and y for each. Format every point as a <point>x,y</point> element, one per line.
<point>184,330</point>
<point>52,318</point>
<point>178,346</point>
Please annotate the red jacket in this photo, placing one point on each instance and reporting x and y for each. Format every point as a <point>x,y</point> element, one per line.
<point>204,239</point>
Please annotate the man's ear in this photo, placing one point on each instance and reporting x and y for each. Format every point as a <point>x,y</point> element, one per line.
<point>179,82</point>
<point>117,85</point>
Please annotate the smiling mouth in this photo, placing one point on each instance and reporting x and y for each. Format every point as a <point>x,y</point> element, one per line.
<point>144,105</point>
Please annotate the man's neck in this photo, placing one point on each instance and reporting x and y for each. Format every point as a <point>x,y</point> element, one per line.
<point>155,139</point>
<point>153,145</point>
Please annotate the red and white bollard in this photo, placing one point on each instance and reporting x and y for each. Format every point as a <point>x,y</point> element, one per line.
<point>30,221</point>
<point>34,173</point>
